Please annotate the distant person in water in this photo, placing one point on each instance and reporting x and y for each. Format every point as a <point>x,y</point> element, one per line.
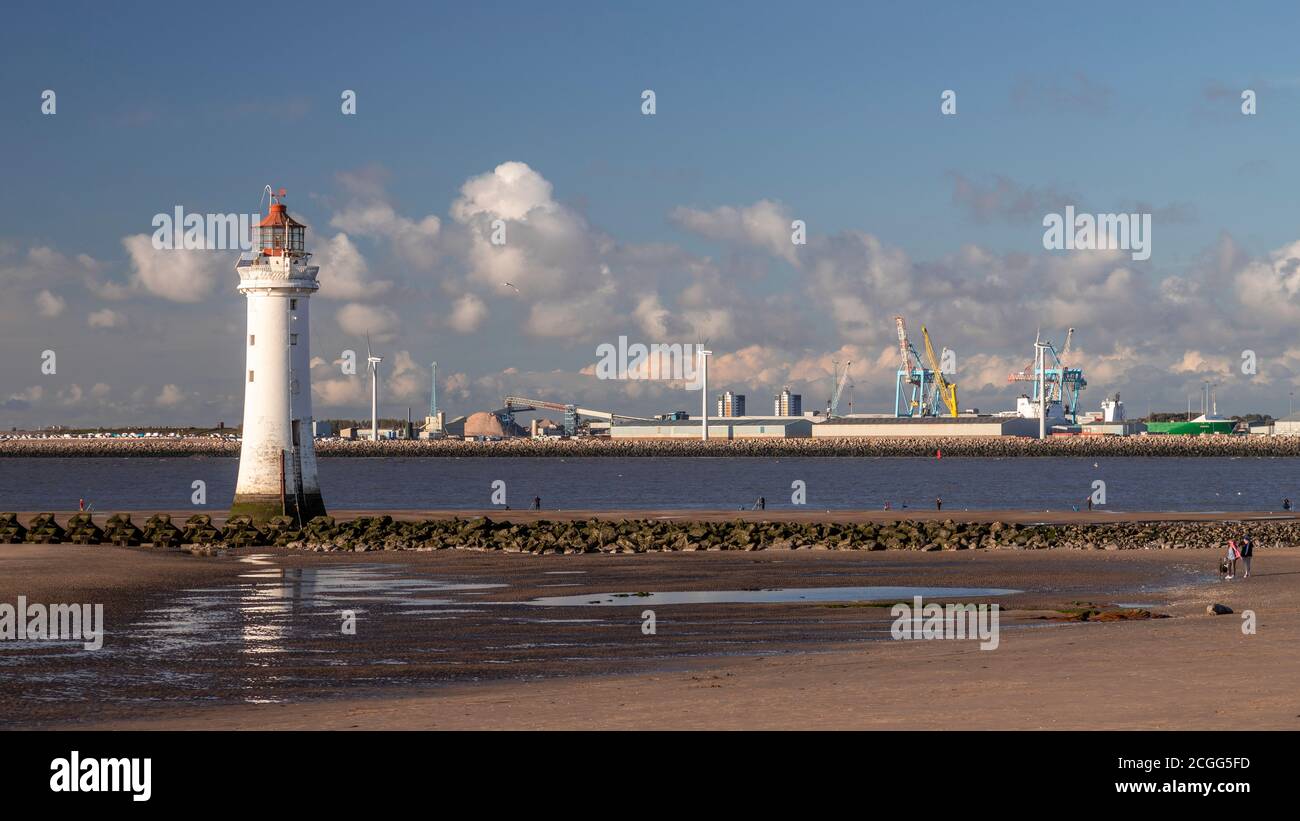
<point>537,503</point>
<point>1247,550</point>
<point>1286,504</point>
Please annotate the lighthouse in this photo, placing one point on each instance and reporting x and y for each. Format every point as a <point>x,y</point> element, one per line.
<point>277,461</point>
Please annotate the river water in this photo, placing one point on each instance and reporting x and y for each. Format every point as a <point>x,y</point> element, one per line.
<point>1192,484</point>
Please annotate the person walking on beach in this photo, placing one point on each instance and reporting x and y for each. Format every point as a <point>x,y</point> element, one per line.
<point>938,504</point>
<point>1247,550</point>
<point>762,503</point>
<point>537,503</point>
<point>1286,504</point>
<point>1090,503</point>
<point>1231,559</point>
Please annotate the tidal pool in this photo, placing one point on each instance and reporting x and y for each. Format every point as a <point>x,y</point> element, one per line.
<point>788,595</point>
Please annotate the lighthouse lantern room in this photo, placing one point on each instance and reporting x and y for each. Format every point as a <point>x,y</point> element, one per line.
<point>277,460</point>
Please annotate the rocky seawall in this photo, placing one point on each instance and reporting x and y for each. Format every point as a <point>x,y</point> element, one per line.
<point>986,447</point>
<point>377,533</point>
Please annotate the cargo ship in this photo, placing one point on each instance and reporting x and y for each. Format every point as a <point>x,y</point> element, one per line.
<point>1204,423</point>
<point>1208,422</point>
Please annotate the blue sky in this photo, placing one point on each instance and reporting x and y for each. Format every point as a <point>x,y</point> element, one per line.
<point>831,112</point>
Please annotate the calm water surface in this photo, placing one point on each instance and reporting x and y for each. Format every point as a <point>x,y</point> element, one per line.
<point>1204,484</point>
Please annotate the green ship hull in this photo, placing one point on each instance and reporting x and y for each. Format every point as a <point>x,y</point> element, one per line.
<point>1192,428</point>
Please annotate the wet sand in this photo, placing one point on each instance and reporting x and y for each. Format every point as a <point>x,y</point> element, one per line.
<point>802,665</point>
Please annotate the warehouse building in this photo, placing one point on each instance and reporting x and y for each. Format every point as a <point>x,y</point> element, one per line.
<point>1286,426</point>
<point>926,426</point>
<point>733,428</point>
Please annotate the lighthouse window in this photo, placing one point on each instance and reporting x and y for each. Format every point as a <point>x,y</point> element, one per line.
<point>250,376</point>
<point>293,304</point>
<point>293,339</point>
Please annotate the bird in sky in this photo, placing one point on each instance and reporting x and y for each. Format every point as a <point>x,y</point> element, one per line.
<point>512,285</point>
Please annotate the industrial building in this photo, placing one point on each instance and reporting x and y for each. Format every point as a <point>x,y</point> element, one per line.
<point>731,428</point>
<point>1287,425</point>
<point>925,426</point>
<point>787,404</point>
<point>731,404</point>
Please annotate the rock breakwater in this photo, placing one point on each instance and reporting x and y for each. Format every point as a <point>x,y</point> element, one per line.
<point>378,533</point>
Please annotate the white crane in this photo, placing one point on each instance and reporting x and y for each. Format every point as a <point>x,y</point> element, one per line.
<point>373,361</point>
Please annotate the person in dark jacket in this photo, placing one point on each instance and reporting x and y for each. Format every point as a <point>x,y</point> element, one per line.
<point>1247,548</point>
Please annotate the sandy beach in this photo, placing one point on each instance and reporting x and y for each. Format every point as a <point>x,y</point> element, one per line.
<point>467,663</point>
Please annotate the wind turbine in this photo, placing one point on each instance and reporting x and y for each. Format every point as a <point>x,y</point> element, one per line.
<point>373,361</point>
<point>704,387</point>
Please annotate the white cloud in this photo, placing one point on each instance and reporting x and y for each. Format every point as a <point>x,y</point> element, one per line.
<point>178,275</point>
<point>380,321</point>
<point>49,305</point>
<point>344,273</point>
<point>467,314</point>
<point>170,396</point>
<point>765,224</point>
<point>415,241</point>
<point>105,318</point>
<point>510,191</point>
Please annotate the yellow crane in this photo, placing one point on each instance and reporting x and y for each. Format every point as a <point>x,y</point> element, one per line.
<point>946,390</point>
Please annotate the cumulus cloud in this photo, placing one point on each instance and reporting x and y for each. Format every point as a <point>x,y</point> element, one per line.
<point>765,224</point>
<point>169,397</point>
<point>344,273</point>
<point>401,381</point>
<point>467,314</point>
<point>105,318</point>
<point>178,275</point>
<point>48,304</point>
<point>379,321</point>
<point>369,214</point>
<point>548,248</point>
<point>511,191</point>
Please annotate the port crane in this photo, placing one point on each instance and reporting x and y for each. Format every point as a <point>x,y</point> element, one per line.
<point>1061,383</point>
<point>915,385</point>
<point>945,391</point>
<point>838,380</point>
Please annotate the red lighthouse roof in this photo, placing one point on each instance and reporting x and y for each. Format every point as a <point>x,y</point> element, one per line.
<point>280,234</point>
<point>279,217</point>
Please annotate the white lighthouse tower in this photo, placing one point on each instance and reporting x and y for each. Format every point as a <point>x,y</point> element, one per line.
<point>277,461</point>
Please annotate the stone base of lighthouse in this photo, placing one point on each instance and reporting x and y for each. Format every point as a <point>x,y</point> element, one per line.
<point>262,507</point>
